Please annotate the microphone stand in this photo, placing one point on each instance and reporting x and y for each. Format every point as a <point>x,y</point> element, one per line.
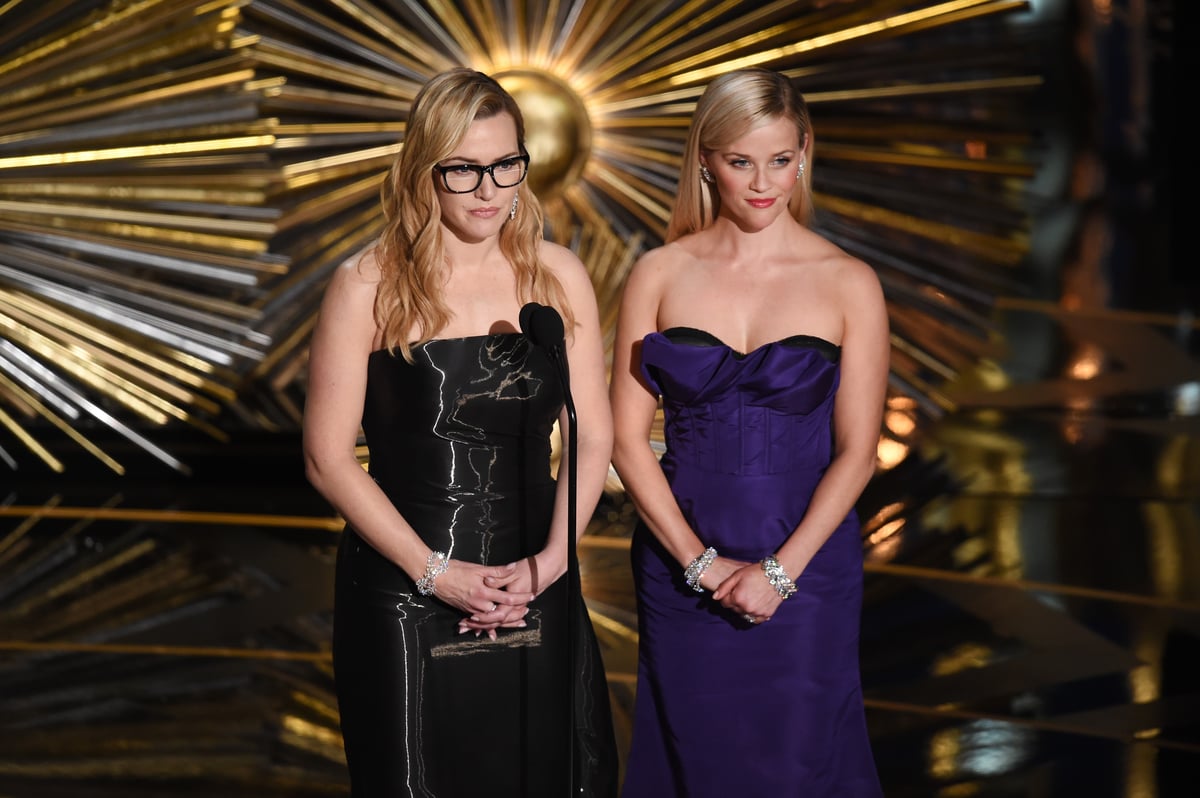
<point>558,355</point>
<point>543,326</point>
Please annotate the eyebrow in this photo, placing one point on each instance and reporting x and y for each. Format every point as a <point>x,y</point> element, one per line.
<point>775,155</point>
<point>461,159</point>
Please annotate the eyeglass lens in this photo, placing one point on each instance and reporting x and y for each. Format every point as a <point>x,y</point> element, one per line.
<point>465,177</point>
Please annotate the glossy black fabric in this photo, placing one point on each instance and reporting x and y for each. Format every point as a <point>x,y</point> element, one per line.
<point>460,441</point>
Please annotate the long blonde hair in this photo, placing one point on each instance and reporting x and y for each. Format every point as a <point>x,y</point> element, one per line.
<point>410,251</point>
<point>730,107</point>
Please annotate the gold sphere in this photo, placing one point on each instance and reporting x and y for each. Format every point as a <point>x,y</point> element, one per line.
<point>558,133</point>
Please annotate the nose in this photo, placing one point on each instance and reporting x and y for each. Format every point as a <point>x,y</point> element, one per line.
<point>760,182</point>
<point>487,186</point>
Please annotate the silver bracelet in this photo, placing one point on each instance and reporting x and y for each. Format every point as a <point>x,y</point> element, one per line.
<point>778,577</point>
<point>435,566</point>
<point>697,567</point>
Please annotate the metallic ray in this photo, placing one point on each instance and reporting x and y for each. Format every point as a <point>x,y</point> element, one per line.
<point>179,177</point>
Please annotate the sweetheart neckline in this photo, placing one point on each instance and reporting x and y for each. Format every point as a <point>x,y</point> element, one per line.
<point>705,333</point>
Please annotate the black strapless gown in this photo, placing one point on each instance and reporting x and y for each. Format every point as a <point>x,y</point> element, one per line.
<point>460,442</point>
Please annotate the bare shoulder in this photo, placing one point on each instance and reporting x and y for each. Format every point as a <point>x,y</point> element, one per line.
<point>346,324</point>
<point>565,264</point>
<point>860,297</point>
<point>854,279</point>
<point>658,265</point>
<point>362,268</point>
<point>354,282</point>
<point>856,276</point>
<point>573,276</point>
<point>353,285</point>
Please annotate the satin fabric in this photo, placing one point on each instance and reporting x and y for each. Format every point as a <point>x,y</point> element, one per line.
<point>460,442</point>
<point>724,707</point>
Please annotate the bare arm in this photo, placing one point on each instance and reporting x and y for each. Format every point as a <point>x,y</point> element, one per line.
<point>857,417</point>
<point>857,414</point>
<point>634,406</point>
<point>594,430</point>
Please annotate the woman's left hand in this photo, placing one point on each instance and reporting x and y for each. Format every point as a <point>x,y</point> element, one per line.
<point>505,616</point>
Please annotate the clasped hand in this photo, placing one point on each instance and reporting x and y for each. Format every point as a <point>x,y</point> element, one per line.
<point>490,596</point>
<point>741,588</point>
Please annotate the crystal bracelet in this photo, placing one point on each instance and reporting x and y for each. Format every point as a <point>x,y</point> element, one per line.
<point>778,577</point>
<point>697,567</point>
<point>435,566</point>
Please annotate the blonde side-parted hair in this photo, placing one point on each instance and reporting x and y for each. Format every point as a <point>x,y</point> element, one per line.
<point>410,251</point>
<point>731,106</point>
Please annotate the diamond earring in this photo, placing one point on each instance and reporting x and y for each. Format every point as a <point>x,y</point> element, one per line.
<point>705,174</point>
<point>512,212</point>
<point>800,170</point>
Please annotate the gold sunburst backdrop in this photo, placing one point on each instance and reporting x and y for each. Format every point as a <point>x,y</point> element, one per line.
<point>179,177</point>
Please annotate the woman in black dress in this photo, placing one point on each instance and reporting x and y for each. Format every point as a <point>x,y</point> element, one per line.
<point>452,638</point>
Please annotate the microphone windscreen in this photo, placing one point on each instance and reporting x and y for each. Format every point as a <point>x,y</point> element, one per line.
<point>525,319</point>
<point>546,327</point>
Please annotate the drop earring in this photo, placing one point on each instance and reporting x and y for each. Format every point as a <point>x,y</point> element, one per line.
<point>512,212</point>
<point>800,170</point>
<point>705,175</point>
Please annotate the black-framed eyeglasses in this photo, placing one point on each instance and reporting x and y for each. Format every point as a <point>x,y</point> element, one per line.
<point>463,178</point>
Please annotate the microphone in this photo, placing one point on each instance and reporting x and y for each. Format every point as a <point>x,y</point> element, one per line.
<point>543,326</point>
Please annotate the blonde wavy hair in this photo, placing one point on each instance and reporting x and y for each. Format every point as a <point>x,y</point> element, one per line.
<point>731,106</point>
<point>410,251</point>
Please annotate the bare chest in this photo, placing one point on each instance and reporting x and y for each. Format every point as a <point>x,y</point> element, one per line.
<point>481,302</point>
<point>747,308</point>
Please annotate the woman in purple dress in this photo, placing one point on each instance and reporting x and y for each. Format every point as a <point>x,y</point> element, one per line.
<point>768,346</point>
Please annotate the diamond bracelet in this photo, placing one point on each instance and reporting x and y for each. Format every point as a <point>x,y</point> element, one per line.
<point>435,566</point>
<point>778,577</point>
<point>697,567</point>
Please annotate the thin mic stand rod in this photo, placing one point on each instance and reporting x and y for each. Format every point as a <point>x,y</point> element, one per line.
<point>573,587</point>
<point>543,326</point>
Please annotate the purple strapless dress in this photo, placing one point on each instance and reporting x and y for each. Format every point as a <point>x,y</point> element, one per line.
<point>724,708</point>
